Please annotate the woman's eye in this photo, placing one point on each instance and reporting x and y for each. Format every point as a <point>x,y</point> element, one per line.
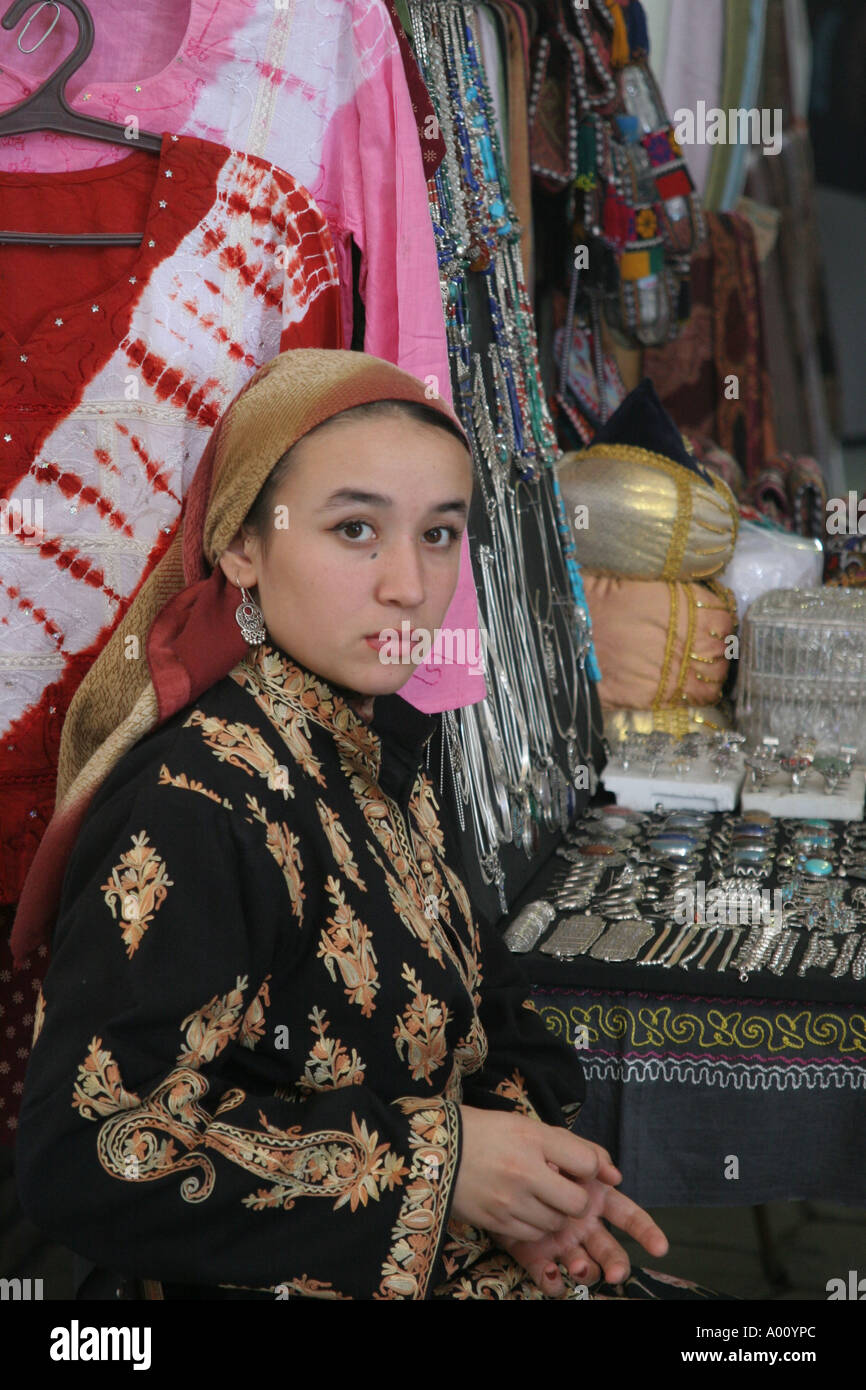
<point>441,536</point>
<point>354,530</point>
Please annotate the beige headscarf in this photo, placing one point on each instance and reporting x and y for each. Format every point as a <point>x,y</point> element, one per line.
<point>179,635</point>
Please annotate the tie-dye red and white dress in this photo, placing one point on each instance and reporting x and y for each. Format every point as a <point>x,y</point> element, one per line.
<point>114,364</point>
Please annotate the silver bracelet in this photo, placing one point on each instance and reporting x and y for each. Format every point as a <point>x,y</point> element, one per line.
<point>846,955</point>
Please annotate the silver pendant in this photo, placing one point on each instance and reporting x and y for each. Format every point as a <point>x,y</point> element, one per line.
<point>622,940</point>
<point>573,936</point>
<point>529,926</point>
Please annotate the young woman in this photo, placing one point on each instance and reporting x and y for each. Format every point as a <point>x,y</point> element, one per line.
<point>274,1056</point>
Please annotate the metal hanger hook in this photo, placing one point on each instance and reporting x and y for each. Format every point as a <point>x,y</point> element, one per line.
<point>57,80</point>
<point>52,26</point>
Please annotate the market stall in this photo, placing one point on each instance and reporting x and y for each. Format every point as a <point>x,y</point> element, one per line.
<point>587,230</point>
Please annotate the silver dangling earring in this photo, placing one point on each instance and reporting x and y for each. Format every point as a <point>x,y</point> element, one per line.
<point>250,619</point>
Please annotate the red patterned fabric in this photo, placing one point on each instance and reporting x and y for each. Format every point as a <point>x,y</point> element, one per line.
<point>713,378</point>
<point>429,135</point>
<point>114,365</point>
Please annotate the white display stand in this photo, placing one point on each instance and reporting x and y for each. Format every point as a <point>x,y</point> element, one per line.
<point>697,790</point>
<point>777,798</point>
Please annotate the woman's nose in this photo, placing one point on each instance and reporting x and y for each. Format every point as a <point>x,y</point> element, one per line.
<point>401,579</point>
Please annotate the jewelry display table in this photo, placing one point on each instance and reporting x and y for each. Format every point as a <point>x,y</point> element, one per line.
<point>716,1087</point>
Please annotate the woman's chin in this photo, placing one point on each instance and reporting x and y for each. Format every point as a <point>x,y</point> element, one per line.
<point>378,678</point>
<point>385,682</point>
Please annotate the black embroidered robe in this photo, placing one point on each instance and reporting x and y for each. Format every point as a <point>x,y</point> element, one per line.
<point>267,998</point>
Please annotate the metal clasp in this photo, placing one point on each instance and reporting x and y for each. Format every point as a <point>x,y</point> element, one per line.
<point>51,26</point>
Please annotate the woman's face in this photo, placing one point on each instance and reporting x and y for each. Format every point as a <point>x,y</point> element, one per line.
<point>366,535</point>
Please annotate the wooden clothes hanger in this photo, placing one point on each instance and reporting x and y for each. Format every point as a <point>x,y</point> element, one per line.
<point>48,109</point>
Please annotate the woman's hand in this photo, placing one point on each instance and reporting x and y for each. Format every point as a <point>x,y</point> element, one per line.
<point>584,1246</point>
<point>521,1179</point>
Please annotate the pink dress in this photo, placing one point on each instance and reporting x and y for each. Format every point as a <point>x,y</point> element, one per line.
<point>314,86</point>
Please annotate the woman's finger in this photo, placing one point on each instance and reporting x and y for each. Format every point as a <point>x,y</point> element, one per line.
<point>550,1281</point>
<point>583,1269</point>
<point>637,1223</point>
<point>535,1211</point>
<point>607,1169</point>
<point>609,1254</point>
<point>516,1231</point>
<point>561,1193</point>
<point>543,1272</point>
<point>573,1156</point>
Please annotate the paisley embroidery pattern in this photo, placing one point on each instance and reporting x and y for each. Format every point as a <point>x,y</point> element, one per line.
<point>340,846</point>
<point>240,745</point>
<point>212,1027</point>
<point>409,1263</point>
<point>347,945</point>
<point>420,1034</point>
<point>139,885</point>
<point>283,845</point>
<point>292,699</point>
<point>329,1064</point>
<point>253,1022</point>
<point>353,1169</point>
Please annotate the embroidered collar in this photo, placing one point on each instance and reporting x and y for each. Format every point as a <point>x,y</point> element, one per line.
<point>389,748</point>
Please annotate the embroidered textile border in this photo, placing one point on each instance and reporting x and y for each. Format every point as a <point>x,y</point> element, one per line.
<point>722,1073</point>
<point>758,1037</point>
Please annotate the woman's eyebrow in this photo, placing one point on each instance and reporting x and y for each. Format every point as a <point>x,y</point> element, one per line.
<point>363,499</point>
<point>377,499</point>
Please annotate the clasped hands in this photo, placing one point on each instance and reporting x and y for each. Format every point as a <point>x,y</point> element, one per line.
<point>545,1195</point>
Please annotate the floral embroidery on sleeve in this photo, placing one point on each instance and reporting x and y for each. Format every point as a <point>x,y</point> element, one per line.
<point>99,1089</point>
<point>253,1022</point>
<point>353,1168</point>
<point>350,1167</point>
<point>212,1027</point>
<point>167,779</point>
<point>330,1064</point>
<point>513,1088</point>
<point>241,746</point>
<point>434,1128</point>
<point>140,884</point>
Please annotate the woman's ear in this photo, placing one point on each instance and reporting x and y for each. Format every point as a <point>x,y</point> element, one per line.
<point>236,564</point>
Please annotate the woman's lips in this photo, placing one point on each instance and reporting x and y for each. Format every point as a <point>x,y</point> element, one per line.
<point>404,643</point>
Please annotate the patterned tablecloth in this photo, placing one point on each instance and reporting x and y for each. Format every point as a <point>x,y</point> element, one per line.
<point>719,1101</point>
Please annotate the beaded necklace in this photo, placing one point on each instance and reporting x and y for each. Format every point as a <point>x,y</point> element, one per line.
<point>501,752</point>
